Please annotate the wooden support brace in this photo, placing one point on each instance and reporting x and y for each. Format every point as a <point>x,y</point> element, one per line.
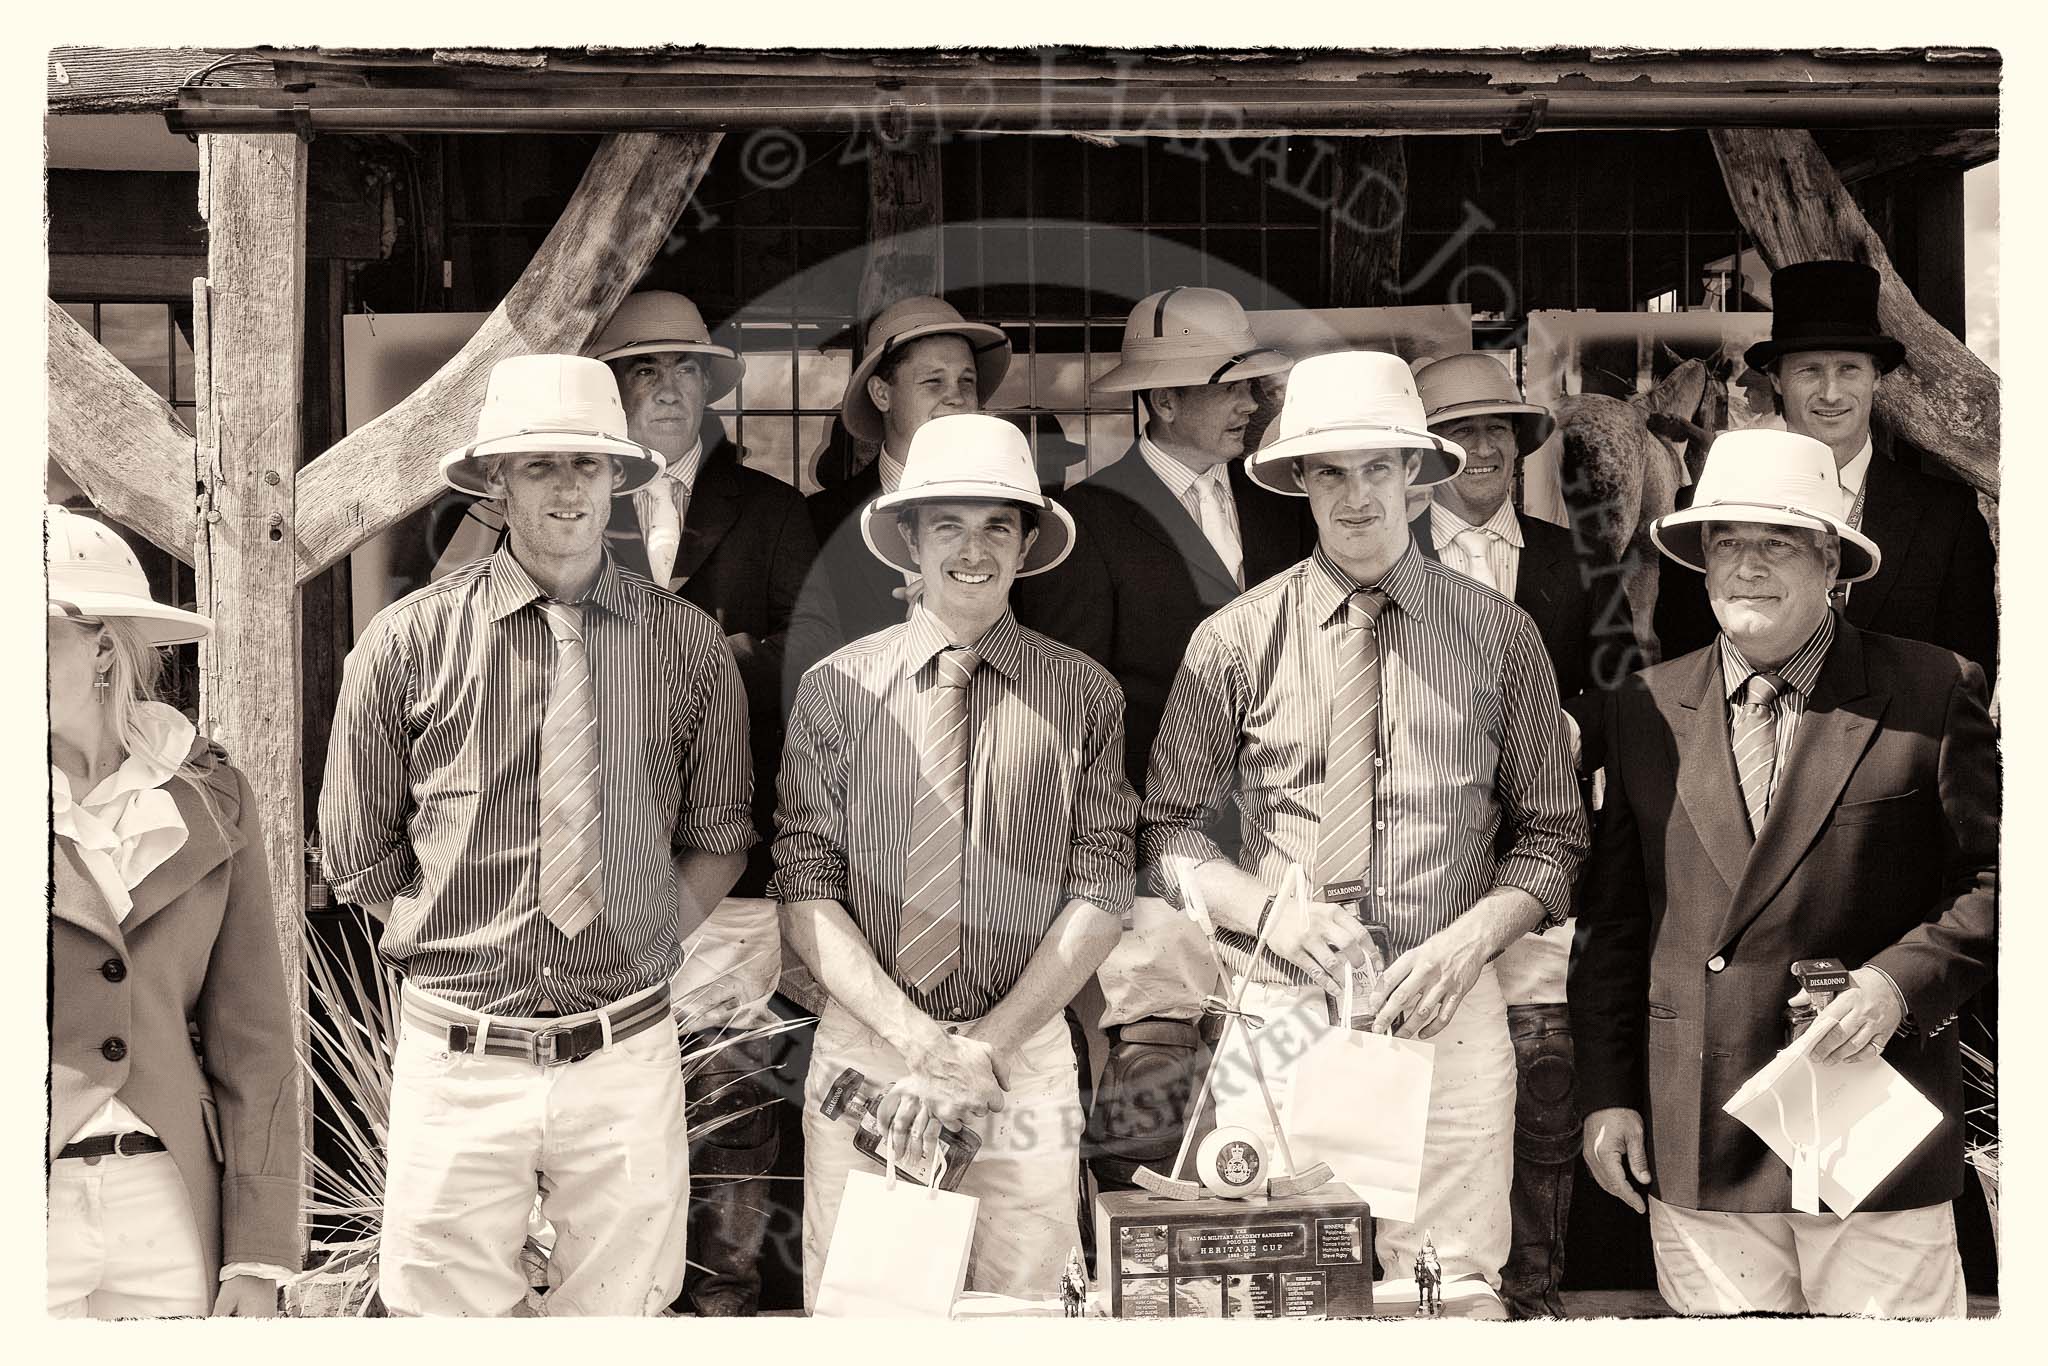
<point>247,344</point>
<point>1369,195</point>
<point>1943,399</point>
<point>117,438</point>
<point>620,216</point>
<point>905,208</point>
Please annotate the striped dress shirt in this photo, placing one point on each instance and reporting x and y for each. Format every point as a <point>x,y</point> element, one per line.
<point>432,799</point>
<point>1798,676</point>
<point>1470,737</point>
<point>1049,809</point>
<point>1503,547</point>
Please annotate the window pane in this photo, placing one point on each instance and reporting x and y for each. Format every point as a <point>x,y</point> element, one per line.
<point>139,336</point>
<point>1108,438</point>
<point>181,367</point>
<point>82,313</point>
<point>767,381</point>
<point>822,376</point>
<point>769,442</point>
<point>1060,382</point>
<point>1015,390</point>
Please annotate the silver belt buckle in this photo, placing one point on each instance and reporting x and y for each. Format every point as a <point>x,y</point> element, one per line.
<point>545,1046</point>
<point>119,1139</point>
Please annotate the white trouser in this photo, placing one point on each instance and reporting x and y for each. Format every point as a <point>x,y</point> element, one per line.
<point>1884,1264</point>
<point>474,1136</point>
<point>123,1243</point>
<point>1026,1174</point>
<point>1468,1157</point>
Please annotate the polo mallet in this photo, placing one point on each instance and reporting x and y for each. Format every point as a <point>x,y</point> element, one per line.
<point>1172,1185</point>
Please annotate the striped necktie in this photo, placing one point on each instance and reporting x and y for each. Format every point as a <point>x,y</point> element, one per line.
<point>1756,744</point>
<point>571,803</point>
<point>1344,840</point>
<point>928,937</point>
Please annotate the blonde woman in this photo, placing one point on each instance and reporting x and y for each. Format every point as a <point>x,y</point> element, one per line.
<point>175,1172</point>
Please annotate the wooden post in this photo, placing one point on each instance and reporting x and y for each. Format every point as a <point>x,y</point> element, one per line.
<point>1369,198</point>
<point>1943,399</point>
<point>905,208</point>
<point>249,321</point>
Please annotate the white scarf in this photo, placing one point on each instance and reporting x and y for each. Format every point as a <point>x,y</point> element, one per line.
<point>128,826</point>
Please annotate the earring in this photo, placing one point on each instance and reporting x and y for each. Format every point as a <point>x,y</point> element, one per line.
<point>100,688</point>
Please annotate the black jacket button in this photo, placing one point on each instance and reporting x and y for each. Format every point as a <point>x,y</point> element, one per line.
<point>114,1049</point>
<point>114,970</point>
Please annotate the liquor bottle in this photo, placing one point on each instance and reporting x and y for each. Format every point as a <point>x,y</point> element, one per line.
<point>853,1100</point>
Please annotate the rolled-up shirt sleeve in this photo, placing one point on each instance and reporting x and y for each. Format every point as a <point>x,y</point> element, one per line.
<point>810,822</point>
<point>718,767</point>
<point>1536,784</point>
<point>1193,767</point>
<point>366,796</point>
<point>1100,869</point>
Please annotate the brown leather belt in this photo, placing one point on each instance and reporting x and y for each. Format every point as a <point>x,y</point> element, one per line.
<point>573,1040</point>
<point>113,1145</point>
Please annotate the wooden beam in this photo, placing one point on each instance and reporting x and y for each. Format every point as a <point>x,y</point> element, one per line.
<point>619,217</point>
<point>117,439</point>
<point>1943,399</point>
<point>905,206</point>
<point>124,279</point>
<point>1369,200</point>
<point>249,316</point>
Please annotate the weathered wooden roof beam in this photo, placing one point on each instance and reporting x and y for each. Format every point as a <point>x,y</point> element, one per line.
<point>118,440</point>
<point>620,216</point>
<point>1495,65</point>
<point>1104,107</point>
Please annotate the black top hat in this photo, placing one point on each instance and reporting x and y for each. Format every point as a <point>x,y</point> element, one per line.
<point>1825,306</point>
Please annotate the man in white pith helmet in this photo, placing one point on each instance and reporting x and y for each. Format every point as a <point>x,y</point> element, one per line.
<point>955,855</point>
<point>539,781</point>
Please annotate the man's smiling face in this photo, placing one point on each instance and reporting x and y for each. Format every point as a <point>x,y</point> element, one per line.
<point>556,502</point>
<point>968,551</point>
<point>1827,396</point>
<point>1768,585</point>
<point>1489,473</point>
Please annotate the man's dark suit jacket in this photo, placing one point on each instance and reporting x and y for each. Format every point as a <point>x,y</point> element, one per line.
<point>746,553</point>
<point>1142,576</point>
<point>1562,590</point>
<point>1881,847</point>
<point>1933,583</point>
<point>861,588</point>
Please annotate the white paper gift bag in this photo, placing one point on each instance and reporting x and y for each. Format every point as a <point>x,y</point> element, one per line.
<point>1360,1102</point>
<point>899,1250</point>
<point>1842,1129</point>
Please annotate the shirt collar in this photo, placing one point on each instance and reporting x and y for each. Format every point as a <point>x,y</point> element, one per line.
<point>1799,673</point>
<point>1178,478</point>
<point>684,468</point>
<point>1000,645</point>
<point>892,470</point>
<point>1856,471</point>
<point>1330,587</point>
<point>512,588</point>
<point>1504,524</point>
